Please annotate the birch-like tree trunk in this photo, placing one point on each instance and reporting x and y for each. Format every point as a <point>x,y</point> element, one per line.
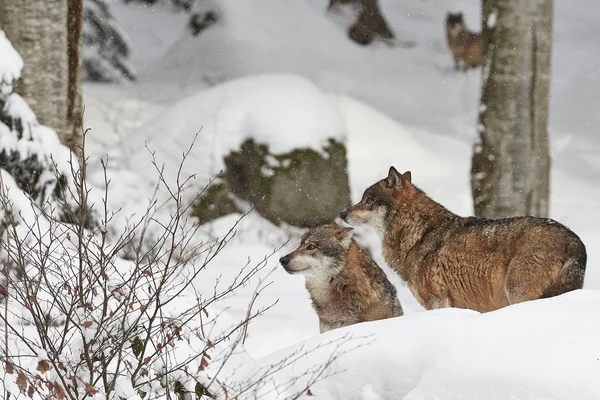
<point>511,161</point>
<point>48,40</point>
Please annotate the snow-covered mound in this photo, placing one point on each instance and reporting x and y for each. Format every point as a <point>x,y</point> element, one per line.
<point>545,349</point>
<point>286,112</point>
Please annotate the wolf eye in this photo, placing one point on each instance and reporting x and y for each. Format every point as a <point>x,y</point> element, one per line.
<point>368,200</point>
<point>311,247</point>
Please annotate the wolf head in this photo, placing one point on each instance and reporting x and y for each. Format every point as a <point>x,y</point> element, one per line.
<point>454,20</point>
<point>379,200</point>
<point>321,253</point>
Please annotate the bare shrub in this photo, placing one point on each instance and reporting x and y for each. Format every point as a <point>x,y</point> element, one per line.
<point>80,320</point>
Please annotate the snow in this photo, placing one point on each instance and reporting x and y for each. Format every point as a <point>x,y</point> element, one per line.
<point>527,351</point>
<point>16,107</point>
<point>11,64</point>
<point>37,141</point>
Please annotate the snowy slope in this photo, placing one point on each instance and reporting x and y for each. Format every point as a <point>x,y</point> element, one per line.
<point>547,349</point>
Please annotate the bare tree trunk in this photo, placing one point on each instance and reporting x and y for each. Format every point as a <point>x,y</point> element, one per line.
<point>511,162</point>
<point>39,31</point>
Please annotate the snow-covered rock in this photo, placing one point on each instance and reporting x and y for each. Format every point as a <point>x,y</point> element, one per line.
<point>262,131</point>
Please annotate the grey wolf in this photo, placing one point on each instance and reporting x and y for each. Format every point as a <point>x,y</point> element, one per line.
<point>476,263</point>
<point>345,285</point>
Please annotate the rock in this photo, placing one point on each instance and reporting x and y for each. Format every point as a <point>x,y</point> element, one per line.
<point>304,188</point>
<point>214,203</point>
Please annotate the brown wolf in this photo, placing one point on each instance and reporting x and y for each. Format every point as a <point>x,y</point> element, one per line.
<point>466,46</point>
<point>476,263</point>
<point>346,286</point>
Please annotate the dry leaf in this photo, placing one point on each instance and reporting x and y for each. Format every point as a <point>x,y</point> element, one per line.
<point>203,364</point>
<point>22,381</point>
<point>59,392</point>
<point>30,392</point>
<point>87,324</point>
<point>309,393</point>
<point>90,389</point>
<point>9,368</point>
<point>43,366</point>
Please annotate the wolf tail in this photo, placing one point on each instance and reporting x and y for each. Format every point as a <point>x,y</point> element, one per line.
<point>573,272</point>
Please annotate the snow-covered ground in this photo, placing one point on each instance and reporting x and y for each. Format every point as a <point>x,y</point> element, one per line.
<point>397,106</point>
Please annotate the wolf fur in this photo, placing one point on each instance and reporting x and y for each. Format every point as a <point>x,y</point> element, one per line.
<point>345,285</point>
<point>475,263</point>
<point>466,46</point>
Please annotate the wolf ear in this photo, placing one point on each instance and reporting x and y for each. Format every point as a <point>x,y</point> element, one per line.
<point>344,236</point>
<point>407,177</point>
<point>394,178</point>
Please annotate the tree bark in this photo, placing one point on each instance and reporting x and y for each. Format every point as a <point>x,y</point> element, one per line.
<point>41,31</point>
<point>75,61</point>
<point>511,161</point>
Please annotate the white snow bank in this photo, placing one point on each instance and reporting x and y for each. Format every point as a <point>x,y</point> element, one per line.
<point>546,349</point>
<point>284,111</point>
<point>11,64</point>
<point>376,142</point>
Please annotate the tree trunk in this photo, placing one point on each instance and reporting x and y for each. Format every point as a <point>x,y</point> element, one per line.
<point>75,60</point>
<point>42,32</point>
<point>511,161</point>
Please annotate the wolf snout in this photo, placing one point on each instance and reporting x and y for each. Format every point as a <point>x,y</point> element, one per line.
<point>344,214</point>
<point>284,261</point>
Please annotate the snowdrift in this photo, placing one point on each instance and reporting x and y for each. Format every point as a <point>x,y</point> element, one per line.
<point>284,111</point>
<point>546,349</point>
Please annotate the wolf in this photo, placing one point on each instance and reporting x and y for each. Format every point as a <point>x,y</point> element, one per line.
<point>466,46</point>
<point>345,285</point>
<point>475,263</point>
